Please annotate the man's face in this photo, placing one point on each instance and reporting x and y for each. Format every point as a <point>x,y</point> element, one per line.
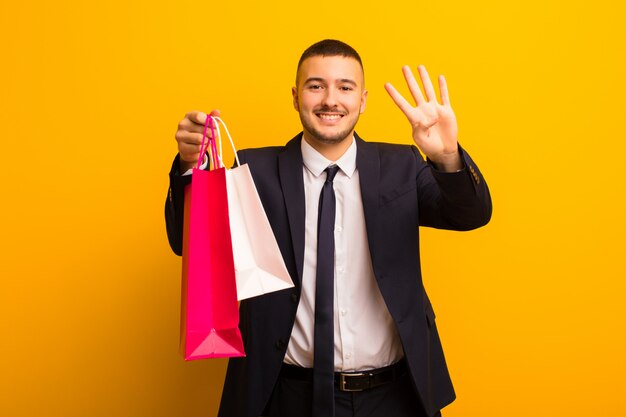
<point>329,97</point>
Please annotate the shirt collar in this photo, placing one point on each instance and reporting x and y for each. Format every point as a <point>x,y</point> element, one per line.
<point>316,163</point>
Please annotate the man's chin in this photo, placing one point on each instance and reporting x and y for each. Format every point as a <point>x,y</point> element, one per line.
<point>329,138</point>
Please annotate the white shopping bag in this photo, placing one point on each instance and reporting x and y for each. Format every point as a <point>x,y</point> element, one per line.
<point>259,265</point>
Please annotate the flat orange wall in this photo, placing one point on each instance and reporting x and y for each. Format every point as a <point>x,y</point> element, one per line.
<point>531,308</point>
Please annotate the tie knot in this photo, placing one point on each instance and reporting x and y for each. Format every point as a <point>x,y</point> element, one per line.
<point>331,171</point>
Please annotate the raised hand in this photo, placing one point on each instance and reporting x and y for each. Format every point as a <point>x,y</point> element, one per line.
<point>189,138</point>
<point>434,125</point>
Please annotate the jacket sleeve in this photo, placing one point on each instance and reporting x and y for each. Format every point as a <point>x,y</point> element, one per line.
<point>454,201</point>
<point>174,207</point>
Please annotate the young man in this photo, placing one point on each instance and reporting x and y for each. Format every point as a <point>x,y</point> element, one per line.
<point>357,334</point>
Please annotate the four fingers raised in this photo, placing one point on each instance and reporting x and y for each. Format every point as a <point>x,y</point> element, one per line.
<point>416,91</point>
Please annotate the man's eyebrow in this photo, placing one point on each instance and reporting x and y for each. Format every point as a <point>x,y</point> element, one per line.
<point>314,79</point>
<point>347,80</point>
<point>322,80</point>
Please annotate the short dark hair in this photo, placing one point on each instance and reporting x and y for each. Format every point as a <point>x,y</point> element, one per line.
<point>329,47</point>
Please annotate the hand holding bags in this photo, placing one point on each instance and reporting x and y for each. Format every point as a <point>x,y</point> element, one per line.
<point>226,235</point>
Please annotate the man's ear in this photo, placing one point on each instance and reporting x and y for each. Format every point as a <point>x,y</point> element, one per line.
<point>363,100</point>
<point>294,93</point>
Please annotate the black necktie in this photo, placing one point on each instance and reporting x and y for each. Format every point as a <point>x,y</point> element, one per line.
<point>324,335</point>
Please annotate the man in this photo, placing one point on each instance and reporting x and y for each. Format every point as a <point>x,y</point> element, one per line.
<point>345,214</point>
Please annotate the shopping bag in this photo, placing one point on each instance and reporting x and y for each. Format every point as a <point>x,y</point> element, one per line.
<point>259,265</point>
<point>209,311</point>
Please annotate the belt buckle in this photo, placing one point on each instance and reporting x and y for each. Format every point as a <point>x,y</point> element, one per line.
<point>343,382</point>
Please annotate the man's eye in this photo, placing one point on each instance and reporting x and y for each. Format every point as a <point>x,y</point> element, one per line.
<point>315,87</point>
<point>345,88</point>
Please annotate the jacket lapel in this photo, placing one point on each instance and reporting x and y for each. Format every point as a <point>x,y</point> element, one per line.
<point>292,184</point>
<point>368,165</point>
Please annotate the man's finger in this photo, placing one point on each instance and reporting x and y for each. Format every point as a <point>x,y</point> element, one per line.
<point>428,85</point>
<point>397,98</point>
<point>186,125</point>
<point>189,153</point>
<point>413,86</point>
<point>186,148</point>
<point>190,137</point>
<point>199,118</point>
<point>443,89</point>
<point>196,117</point>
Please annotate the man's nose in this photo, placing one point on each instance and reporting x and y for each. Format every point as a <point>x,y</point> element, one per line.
<point>330,98</point>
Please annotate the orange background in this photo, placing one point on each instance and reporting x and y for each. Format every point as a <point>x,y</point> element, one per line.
<point>530,308</point>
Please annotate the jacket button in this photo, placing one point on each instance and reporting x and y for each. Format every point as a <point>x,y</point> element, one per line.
<point>280,344</point>
<point>294,298</point>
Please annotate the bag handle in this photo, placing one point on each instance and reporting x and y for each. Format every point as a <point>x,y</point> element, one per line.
<point>204,146</point>
<point>213,122</point>
<point>218,121</point>
<point>214,154</point>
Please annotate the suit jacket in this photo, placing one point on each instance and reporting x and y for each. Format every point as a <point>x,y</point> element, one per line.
<point>400,192</point>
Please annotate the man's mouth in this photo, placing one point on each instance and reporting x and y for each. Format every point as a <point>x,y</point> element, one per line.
<point>329,116</point>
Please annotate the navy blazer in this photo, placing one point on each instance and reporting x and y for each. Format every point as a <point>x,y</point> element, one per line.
<point>400,192</point>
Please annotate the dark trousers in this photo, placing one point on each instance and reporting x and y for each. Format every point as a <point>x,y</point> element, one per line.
<point>293,398</point>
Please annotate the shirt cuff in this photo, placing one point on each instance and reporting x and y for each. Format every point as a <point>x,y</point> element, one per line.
<point>205,163</point>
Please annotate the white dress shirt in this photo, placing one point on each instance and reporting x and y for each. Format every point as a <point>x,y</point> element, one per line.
<point>365,334</point>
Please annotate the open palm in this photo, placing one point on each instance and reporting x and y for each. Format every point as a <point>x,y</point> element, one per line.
<point>434,125</point>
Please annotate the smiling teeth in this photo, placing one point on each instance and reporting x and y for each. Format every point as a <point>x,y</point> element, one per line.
<point>329,116</point>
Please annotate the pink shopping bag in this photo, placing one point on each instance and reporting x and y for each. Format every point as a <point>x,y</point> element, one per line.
<point>209,312</point>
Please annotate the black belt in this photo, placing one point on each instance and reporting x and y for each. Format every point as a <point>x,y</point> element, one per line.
<point>351,381</point>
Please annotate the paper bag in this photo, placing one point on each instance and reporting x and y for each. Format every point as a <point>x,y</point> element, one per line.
<point>259,265</point>
<point>209,311</point>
